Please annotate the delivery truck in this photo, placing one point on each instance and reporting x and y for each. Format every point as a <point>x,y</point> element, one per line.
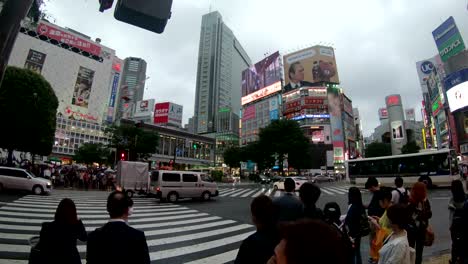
<point>133,177</point>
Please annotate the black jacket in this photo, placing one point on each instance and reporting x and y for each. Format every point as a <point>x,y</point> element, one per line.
<point>288,207</point>
<point>117,242</point>
<point>353,220</point>
<point>58,242</point>
<point>288,87</point>
<point>258,247</point>
<point>374,208</point>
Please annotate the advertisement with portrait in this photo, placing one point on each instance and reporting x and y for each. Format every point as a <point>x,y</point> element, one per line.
<point>144,108</point>
<point>82,91</point>
<point>448,39</point>
<point>397,130</point>
<point>334,106</point>
<point>35,61</point>
<point>338,152</point>
<point>308,66</point>
<point>264,73</point>
<point>161,113</point>
<point>175,114</point>
<point>383,113</point>
<point>410,114</point>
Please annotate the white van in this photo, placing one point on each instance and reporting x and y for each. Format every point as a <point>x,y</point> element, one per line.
<point>21,179</point>
<point>173,185</point>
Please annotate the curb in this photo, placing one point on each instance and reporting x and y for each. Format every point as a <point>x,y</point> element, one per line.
<point>441,259</point>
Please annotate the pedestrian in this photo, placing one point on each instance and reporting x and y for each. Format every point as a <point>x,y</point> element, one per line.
<point>373,208</point>
<point>356,222</point>
<point>260,246</point>
<point>332,216</point>
<point>288,206</point>
<point>380,224</point>
<point>400,194</point>
<point>420,213</point>
<point>309,241</point>
<point>309,194</point>
<point>456,220</point>
<point>396,249</point>
<point>117,242</point>
<point>57,242</point>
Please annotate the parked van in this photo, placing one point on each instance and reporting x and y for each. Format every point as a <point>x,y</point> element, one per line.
<point>173,185</point>
<point>21,179</point>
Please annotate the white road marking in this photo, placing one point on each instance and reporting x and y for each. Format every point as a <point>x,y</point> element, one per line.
<point>216,259</point>
<point>249,193</point>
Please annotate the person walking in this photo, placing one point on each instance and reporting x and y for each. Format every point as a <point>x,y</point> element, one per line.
<point>288,207</point>
<point>420,213</point>
<point>309,194</point>
<point>260,246</point>
<point>396,249</point>
<point>353,220</point>
<point>57,242</point>
<point>456,220</point>
<point>373,208</point>
<point>117,242</point>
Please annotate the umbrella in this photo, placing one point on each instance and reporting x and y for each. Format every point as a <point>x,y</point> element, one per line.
<point>109,170</point>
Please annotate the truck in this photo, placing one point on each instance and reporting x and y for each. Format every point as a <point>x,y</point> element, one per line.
<point>133,177</point>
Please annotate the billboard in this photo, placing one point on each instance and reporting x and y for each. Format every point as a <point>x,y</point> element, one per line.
<point>448,39</point>
<point>458,96</point>
<point>161,113</point>
<point>274,108</point>
<point>112,98</point>
<point>82,91</point>
<point>397,129</point>
<point>455,78</point>
<point>334,106</point>
<point>249,112</point>
<point>436,106</point>
<point>383,113</point>
<point>309,66</point>
<point>410,114</point>
<point>347,105</point>
<point>175,114</point>
<point>264,73</point>
<point>144,108</point>
<point>276,87</point>
<point>35,61</point>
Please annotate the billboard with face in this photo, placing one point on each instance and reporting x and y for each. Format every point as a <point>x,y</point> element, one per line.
<point>264,73</point>
<point>84,82</point>
<point>308,66</point>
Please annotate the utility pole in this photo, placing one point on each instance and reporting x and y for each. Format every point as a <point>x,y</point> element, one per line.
<point>10,21</point>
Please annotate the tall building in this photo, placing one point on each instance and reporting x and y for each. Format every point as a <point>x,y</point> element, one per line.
<point>221,59</point>
<point>132,86</point>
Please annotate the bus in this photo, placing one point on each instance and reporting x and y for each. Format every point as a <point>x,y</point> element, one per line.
<point>438,167</point>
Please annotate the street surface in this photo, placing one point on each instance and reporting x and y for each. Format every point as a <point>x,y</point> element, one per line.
<point>186,232</point>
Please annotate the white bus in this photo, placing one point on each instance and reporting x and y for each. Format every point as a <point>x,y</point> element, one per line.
<point>438,167</point>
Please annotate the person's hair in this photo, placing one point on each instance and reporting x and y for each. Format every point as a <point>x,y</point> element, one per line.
<point>399,182</point>
<point>384,194</point>
<point>371,182</point>
<point>118,204</point>
<point>458,193</point>
<point>313,239</point>
<point>399,215</point>
<point>418,193</point>
<point>309,193</point>
<point>263,211</point>
<point>292,68</point>
<point>332,212</point>
<point>66,212</point>
<point>289,185</point>
<point>355,196</point>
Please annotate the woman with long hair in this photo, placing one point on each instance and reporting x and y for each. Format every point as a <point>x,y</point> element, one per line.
<point>58,238</point>
<point>353,221</point>
<point>456,222</point>
<point>420,213</point>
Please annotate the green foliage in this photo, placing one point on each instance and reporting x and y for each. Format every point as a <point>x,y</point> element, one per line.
<point>28,107</point>
<point>88,153</point>
<point>232,157</point>
<point>377,149</point>
<point>410,147</point>
<point>217,175</point>
<point>140,143</point>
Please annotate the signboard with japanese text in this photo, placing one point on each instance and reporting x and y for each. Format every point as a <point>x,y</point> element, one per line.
<point>161,113</point>
<point>35,61</point>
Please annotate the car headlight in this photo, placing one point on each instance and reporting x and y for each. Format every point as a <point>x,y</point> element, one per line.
<point>48,183</point>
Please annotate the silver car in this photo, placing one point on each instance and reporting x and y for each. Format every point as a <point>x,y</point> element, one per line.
<point>21,179</point>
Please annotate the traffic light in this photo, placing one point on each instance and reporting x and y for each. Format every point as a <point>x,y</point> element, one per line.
<point>105,4</point>
<point>122,155</point>
<point>196,145</point>
<point>149,15</point>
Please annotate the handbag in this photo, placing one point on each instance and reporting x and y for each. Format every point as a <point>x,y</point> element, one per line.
<point>429,237</point>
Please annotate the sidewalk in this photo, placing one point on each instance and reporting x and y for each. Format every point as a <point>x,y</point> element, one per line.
<point>442,259</point>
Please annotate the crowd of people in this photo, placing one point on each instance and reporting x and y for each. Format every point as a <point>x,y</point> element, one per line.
<point>289,229</point>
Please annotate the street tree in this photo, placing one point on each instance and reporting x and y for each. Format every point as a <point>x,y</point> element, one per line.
<point>377,149</point>
<point>28,107</point>
<point>139,143</point>
<point>410,147</point>
<point>89,153</point>
<point>232,157</point>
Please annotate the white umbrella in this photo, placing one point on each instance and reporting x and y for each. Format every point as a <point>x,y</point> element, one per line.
<point>109,170</point>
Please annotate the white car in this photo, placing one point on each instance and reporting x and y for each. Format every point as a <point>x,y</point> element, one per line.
<point>21,179</point>
<point>279,185</point>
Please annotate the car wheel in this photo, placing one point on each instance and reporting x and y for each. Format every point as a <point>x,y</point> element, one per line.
<point>172,197</point>
<point>206,196</point>
<point>275,187</point>
<point>129,193</point>
<point>37,190</point>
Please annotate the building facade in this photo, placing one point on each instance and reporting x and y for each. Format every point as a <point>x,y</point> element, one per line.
<point>132,86</point>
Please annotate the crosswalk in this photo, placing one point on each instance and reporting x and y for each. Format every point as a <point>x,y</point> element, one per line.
<point>269,191</point>
<point>174,233</point>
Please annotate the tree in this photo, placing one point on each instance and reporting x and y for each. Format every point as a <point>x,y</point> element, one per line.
<point>140,144</point>
<point>28,107</point>
<point>377,149</point>
<point>232,157</point>
<point>88,153</point>
<point>410,147</point>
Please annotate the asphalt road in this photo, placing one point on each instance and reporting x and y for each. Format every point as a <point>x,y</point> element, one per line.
<point>187,232</point>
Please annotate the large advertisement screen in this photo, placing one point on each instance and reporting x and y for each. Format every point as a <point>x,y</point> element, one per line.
<point>334,102</point>
<point>458,96</point>
<point>83,85</point>
<point>161,113</point>
<point>35,61</point>
<point>448,39</point>
<point>264,73</point>
<point>309,66</point>
<point>175,114</point>
<point>276,87</point>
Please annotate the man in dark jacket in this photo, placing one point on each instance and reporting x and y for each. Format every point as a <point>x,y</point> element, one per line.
<point>288,207</point>
<point>374,209</point>
<point>309,194</point>
<point>117,242</point>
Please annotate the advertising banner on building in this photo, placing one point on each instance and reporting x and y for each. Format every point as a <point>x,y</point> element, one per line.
<point>347,105</point>
<point>82,91</point>
<point>161,113</point>
<point>175,114</point>
<point>455,78</point>
<point>35,61</point>
<point>448,39</point>
<point>112,97</point>
<point>264,73</point>
<point>63,36</point>
<point>308,66</point>
<point>144,108</point>
<point>334,106</point>
<point>436,106</point>
<point>276,87</point>
<point>274,108</point>
<point>249,112</point>
<point>458,96</point>
<point>397,129</point>
<point>431,73</point>
<point>410,114</point>
<point>383,114</point>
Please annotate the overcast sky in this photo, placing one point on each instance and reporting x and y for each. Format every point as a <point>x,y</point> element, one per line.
<point>377,42</point>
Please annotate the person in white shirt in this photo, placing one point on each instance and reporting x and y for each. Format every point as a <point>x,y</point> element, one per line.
<point>396,249</point>
<point>399,191</point>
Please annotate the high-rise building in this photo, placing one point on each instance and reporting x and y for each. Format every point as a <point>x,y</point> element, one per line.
<point>221,59</point>
<point>132,86</point>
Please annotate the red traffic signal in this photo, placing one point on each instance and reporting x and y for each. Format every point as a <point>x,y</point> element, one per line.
<point>105,4</point>
<point>122,156</point>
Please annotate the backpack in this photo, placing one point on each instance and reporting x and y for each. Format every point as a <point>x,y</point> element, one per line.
<point>403,197</point>
<point>458,221</point>
<point>364,226</point>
